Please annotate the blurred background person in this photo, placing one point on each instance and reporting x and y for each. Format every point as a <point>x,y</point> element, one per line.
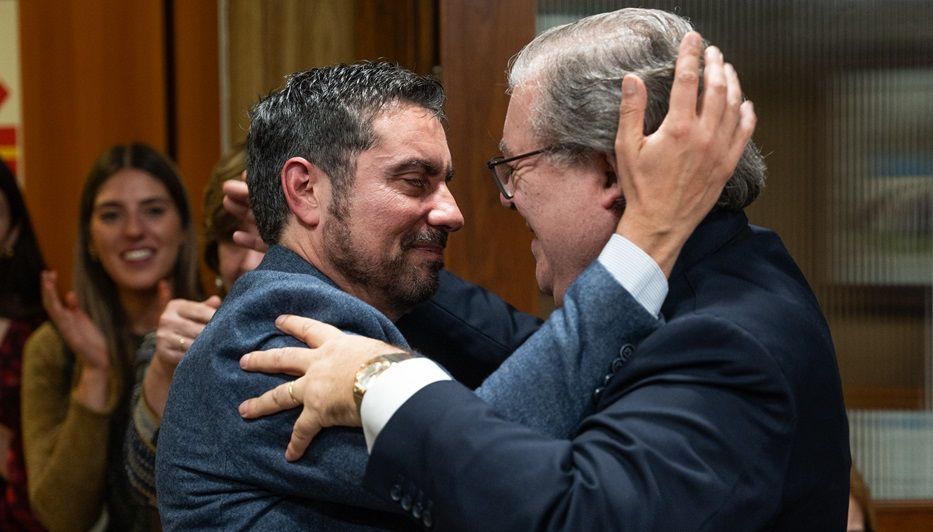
<point>180,323</point>
<point>861,512</point>
<point>21,313</point>
<point>134,231</point>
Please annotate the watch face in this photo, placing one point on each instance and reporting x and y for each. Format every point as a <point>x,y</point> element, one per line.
<point>371,370</point>
<point>365,375</point>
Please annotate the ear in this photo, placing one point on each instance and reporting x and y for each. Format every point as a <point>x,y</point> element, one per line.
<point>611,197</point>
<point>304,184</point>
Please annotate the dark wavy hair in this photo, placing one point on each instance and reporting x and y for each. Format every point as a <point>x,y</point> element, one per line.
<point>20,295</point>
<point>326,116</point>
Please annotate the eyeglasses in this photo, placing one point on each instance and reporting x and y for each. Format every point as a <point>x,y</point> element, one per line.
<point>502,172</point>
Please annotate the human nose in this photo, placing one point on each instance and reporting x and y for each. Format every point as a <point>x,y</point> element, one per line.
<point>133,227</point>
<point>445,213</point>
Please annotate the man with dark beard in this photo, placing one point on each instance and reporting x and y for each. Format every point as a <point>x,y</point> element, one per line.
<point>348,171</point>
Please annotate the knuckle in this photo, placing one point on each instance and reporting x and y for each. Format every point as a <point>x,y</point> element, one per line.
<point>679,129</point>
<point>302,430</point>
<point>716,86</point>
<point>280,397</point>
<point>688,76</point>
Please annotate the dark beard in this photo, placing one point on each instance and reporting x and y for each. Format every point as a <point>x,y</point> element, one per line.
<point>396,282</point>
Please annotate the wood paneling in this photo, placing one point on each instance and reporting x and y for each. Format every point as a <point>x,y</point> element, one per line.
<point>93,76</point>
<point>477,37</point>
<point>197,95</point>
<point>403,31</point>
<point>883,398</point>
<point>268,40</point>
<point>902,516</point>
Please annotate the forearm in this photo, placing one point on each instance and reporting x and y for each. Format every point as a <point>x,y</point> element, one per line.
<point>140,451</point>
<point>93,388</point>
<point>673,443</point>
<point>549,383</point>
<point>494,475</point>
<point>67,477</point>
<point>156,382</point>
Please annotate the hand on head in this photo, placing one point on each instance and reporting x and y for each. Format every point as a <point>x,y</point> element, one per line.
<point>325,384</point>
<point>236,201</point>
<point>673,177</point>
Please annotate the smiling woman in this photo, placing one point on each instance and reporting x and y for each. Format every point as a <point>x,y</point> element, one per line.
<point>134,234</point>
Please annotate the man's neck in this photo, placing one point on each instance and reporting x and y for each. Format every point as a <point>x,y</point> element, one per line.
<point>306,249</point>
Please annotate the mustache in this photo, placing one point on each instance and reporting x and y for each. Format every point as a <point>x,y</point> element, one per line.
<point>427,237</point>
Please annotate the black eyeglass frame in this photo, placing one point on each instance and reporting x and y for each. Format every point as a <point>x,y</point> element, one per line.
<point>496,162</point>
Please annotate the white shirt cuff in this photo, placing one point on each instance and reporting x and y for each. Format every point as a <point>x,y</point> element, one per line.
<point>636,271</point>
<point>389,391</point>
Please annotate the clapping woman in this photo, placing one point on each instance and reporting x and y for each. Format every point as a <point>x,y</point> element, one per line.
<point>135,230</point>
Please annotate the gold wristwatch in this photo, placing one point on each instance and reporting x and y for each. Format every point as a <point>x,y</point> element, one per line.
<point>372,369</point>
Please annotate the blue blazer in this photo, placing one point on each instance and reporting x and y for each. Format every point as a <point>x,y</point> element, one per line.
<point>215,470</point>
<point>729,416</point>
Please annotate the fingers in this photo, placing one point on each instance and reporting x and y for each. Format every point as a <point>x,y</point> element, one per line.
<point>164,293</point>
<point>251,240</point>
<point>312,332</point>
<point>631,133</point>
<point>50,299</point>
<point>686,80</point>
<point>713,101</point>
<point>743,133</point>
<point>273,401</point>
<point>730,117</point>
<point>288,360</point>
<point>213,301</point>
<point>236,197</point>
<point>195,311</point>
<point>306,428</point>
<point>71,300</point>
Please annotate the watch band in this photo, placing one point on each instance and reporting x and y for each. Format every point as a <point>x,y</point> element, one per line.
<point>371,369</point>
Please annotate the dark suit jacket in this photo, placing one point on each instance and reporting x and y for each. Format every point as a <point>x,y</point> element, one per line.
<point>215,470</point>
<point>729,416</point>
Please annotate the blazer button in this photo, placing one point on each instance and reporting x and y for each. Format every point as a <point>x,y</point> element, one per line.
<point>417,509</point>
<point>596,393</point>
<point>616,365</point>
<point>607,378</point>
<point>427,519</point>
<point>396,492</point>
<point>406,502</point>
<point>626,352</point>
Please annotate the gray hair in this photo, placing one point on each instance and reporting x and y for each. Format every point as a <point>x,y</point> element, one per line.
<point>578,69</point>
<point>324,115</point>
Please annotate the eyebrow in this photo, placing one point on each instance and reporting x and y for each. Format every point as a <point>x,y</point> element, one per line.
<point>423,165</point>
<point>146,202</point>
